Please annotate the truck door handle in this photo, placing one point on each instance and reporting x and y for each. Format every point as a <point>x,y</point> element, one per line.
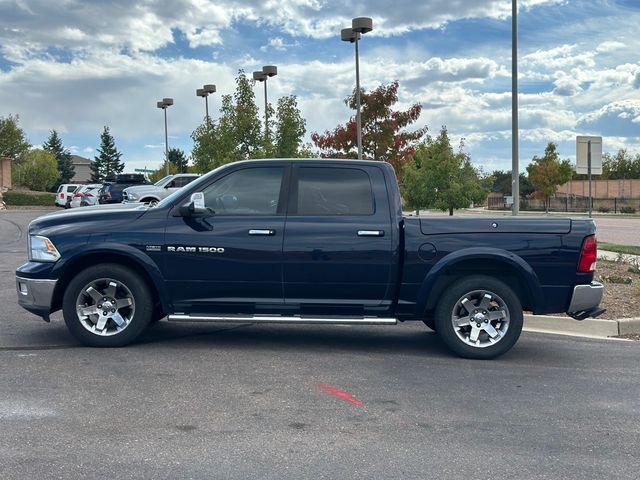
<point>371,233</point>
<point>257,231</point>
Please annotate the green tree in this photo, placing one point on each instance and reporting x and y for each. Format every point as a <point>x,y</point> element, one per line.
<point>548,172</point>
<point>107,164</point>
<point>214,142</point>
<point>13,141</point>
<point>291,128</point>
<point>66,169</point>
<point>234,136</point>
<point>38,170</point>
<point>440,178</point>
<point>178,159</point>
<point>500,181</point>
<point>620,166</point>
<point>383,134</point>
<point>245,119</point>
<point>161,172</point>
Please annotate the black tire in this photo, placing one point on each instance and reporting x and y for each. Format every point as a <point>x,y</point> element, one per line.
<point>449,306</point>
<point>136,285</point>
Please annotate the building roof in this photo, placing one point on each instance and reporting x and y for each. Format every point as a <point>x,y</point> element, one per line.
<point>78,160</point>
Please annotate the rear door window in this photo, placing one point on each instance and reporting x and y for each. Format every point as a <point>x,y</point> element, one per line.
<point>333,191</point>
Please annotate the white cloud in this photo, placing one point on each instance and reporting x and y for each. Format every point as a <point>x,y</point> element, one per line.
<point>610,46</point>
<point>278,44</point>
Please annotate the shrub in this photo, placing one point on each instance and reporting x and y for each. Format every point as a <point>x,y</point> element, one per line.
<point>627,210</point>
<point>28,198</point>
<point>604,209</point>
<point>617,279</point>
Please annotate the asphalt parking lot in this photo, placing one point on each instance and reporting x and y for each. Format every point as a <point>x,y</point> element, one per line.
<point>211,401</point>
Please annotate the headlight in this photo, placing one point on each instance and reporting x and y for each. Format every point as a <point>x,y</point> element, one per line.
<point>41,249</point>
<point>132,196</point>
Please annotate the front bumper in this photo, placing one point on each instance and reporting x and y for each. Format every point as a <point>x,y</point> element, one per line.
<point>35,295</point>
<point>585,301</point>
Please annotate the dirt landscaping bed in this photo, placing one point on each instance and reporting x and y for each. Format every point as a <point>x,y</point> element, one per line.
<point>621,289</point>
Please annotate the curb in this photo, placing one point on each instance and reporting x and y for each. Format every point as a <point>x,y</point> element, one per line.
<point>591,327</point>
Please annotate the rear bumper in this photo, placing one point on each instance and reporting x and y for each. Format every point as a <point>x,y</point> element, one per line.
<point>35,295</point>
<point>585,301</point>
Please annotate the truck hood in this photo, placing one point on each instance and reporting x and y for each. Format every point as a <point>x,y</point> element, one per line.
<point>92,217</point>
<point>141,188</point>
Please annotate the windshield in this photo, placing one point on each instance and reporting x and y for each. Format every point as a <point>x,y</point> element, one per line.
<point>162,181</point>
<point>193,186</point>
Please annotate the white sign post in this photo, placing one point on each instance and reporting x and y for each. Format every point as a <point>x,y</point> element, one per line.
<point>589,159</point>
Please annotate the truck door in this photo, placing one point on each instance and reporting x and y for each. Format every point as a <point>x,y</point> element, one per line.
<point>231,260</point>
<point>338,240</point>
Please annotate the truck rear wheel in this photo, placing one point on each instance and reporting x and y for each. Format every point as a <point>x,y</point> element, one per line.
<point>479,317</point>
<point>107,305</point>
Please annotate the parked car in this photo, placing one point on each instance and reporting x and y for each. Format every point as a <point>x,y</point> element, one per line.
<point>79,196</point>
<point>305,241</point>
<point>152,194</point>
<point>111,192</point>
<point>90,197</point>
<point>64,194</point>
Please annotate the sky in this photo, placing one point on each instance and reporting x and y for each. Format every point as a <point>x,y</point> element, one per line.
<point>77,65</point>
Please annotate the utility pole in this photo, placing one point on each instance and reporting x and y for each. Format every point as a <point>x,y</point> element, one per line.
<point>515,163</point>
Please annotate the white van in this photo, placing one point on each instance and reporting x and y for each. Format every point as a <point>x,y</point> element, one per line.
<point>64,194</point>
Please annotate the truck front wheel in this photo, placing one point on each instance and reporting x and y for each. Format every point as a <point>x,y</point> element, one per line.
<point>479,317</point>
<point>107,305</point>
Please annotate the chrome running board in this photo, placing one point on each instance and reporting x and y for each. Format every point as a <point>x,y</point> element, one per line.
<point>283,319</point>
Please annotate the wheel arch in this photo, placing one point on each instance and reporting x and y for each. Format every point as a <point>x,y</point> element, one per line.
<point>501,264</point>
<point>148,198</point>
<point>128,257</point>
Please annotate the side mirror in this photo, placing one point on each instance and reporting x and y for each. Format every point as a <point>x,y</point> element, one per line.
<point>195,206</point>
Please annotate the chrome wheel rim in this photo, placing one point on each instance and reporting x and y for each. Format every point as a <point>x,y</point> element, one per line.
<point>480,318</point>
<point>105,307</point>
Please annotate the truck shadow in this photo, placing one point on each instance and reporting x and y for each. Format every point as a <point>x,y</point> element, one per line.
<point>401,339</point>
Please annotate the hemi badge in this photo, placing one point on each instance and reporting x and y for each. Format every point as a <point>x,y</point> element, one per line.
<point>153,248</point>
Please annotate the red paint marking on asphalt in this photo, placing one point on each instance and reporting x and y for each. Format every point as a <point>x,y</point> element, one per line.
<point>341,394</point>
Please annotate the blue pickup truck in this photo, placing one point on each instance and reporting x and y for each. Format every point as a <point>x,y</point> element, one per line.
<point>305,241</point>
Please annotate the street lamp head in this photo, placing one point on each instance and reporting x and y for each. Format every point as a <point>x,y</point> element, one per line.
<point>159,104</point>
<point>167,102</point>
<point>210,88</point>
<point>259,76</point>
<point>270,70</point>
<point>362,24</point>
<point>201,92</point>
<point>348,35</point>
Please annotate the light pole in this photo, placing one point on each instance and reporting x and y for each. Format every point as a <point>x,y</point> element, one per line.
<point>204,92</point>
<point>359,26</point>
<point>515,163</point>
<point>262,76</point>
<point>164,104</point>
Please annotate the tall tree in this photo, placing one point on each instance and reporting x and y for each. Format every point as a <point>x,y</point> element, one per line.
<point>547,173</point>
<point>383,134</point>
<point>178,159</point>
<point>245,119</point>
<point>290,129</point>
<point>236,135</point>
<point>13,141</point>
<point>53,145</point>
<point>38,171</point>
<point>107,164</point>
<point>439,178</point>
